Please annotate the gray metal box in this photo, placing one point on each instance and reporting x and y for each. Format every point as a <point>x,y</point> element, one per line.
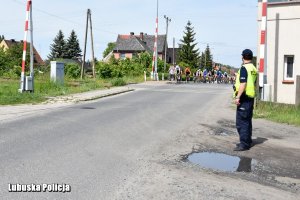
<point>57,74</point>
<point>28,83</point>
<point>267,92</point>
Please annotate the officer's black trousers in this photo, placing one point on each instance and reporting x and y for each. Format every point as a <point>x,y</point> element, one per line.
<point>244,115</point>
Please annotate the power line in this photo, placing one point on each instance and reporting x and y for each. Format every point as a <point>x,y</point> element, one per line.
<point>63,19</point>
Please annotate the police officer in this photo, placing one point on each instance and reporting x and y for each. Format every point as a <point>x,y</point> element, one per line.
<point>244,93</point>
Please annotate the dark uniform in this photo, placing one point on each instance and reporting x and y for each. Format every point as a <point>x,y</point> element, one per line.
<point>244,113</point>
<point>245,100</point>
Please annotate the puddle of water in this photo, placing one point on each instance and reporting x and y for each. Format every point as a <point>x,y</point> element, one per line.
<point>222,162</point>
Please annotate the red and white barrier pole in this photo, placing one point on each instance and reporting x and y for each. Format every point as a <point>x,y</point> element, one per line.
<point>28,9</point>
<point>155,54</point>
<point>154,58</point>
<point>263,37</point>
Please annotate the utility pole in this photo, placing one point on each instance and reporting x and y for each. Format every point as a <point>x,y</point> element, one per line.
<point>155,53</point>
<point>88,19</point>
<point>92,41</point>
<point>26,82</point>
<point>166,44</point>
<point>174,52</point>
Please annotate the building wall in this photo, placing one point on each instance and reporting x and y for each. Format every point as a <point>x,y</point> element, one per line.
<point>161,56</point>
<point>298,91</point>
<point>128,55</point>
<point>3,45</point>
<point>117,55</point>
<point>282,39</point>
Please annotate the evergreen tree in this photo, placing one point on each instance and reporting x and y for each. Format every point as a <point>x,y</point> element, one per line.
<point>72,47</point>
<point>188,53</point>
<point>202,60</point>
<point>58,48</point>
<point>207,58</point>
<point>1,38</point>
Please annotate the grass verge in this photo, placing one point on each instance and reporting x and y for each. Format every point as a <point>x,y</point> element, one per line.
<point>281,113</point>
<point>44,88</point>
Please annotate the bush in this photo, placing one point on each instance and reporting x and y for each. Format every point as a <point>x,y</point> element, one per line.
<point>117,71</point>
<point>104,70</point>
<point>15,72</point>
<point>160,65</point>
<point>136,70</point>
<point>166,76</point>
<point>127,67</point>
<point>118,82</point>
<point>145,60</point>
<point>72,70</point>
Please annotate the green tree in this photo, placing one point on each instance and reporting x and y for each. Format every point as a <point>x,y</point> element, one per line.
<point>188,52</point>
<point>145,59</point>
<point>15,54</point>
<point>3,60</point>
<point>72,46</point>
<point>254,61</point>
<point>1,38</point>
<point>202,60</point>
<point>109,48</point>
<point>58,48</point>
<point>207,58</point>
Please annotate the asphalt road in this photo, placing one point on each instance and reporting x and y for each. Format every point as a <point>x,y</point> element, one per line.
<point>96,147</point>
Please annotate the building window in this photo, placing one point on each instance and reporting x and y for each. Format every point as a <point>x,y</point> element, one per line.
<point>288,67</point>
<point>134,55</point>
<point>123,56</point>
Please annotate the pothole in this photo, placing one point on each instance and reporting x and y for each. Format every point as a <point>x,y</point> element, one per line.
<point>222,162</point>
<point>227,123</point>
<point>87,108</point>
<point>220,131</point>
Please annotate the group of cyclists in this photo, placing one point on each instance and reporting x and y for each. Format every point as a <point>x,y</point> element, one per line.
<point>200,76</point>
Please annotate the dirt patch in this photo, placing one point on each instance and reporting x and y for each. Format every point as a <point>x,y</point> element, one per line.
<point>219,130</point>
<point>167,175</point>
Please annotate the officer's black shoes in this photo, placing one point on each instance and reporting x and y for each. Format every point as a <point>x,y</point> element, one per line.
<point>239,148</point>
<point>238,144</point>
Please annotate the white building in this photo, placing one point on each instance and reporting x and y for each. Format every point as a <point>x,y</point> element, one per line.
<point>282,67</point>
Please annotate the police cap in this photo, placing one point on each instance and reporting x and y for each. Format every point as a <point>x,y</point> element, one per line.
<point>247,52</point>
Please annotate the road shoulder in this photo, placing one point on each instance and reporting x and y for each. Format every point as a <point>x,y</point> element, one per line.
<point>9,113</point>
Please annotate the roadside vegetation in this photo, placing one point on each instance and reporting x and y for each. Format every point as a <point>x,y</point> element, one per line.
<point>108,75</point>
<point>281,113</point>
<point>44,88</point>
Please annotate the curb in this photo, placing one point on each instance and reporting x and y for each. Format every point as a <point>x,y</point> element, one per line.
<point>9,112</point>
<point>82,97</point>
<point>106,95</point>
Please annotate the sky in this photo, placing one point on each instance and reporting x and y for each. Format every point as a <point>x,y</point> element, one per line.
<point>227,26</point>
